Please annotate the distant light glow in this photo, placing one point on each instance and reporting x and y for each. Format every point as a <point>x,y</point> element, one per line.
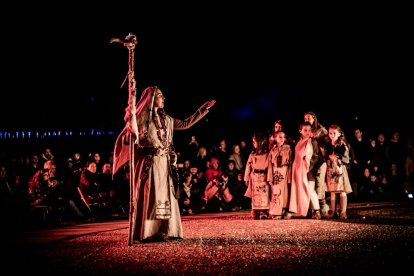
<point>33,134</point>
<point>243,113</point>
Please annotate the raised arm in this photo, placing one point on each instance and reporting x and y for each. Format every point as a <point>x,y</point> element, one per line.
<point>197,116</point>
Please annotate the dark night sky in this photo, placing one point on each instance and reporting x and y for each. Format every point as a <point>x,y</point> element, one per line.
<point>259,64</point>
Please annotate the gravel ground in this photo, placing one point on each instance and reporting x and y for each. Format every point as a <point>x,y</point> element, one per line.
<point>372,240</point>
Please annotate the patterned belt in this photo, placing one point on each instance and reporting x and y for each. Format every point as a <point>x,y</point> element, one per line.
<point>260,171</point>
<point>149,151</point>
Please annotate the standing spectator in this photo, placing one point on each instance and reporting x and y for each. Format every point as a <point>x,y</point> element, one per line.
<point>201,161</point>
<point>396,157</point>
<point>237,157</point>
<point>359,154</point>
<point>221,152</point>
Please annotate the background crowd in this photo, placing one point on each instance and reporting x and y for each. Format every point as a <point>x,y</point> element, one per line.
<point>37,187</point>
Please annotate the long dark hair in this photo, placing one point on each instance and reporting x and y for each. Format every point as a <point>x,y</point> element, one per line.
<point>341,139</point>
<point>262,143</point>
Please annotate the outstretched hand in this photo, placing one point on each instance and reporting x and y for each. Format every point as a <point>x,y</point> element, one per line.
<point>210,103</point>
<point>207,105</point>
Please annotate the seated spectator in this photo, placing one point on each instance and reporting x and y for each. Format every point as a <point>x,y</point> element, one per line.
<point>213,171</point>
<point>46,194</point>
<point>370,186</point>
<point>236,184</point>
<point>9,201</point>
<point>217,196</point>
<point>189,195</point>
<point>93,194</point>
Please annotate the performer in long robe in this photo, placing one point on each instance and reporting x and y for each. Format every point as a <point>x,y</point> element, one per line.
<point>307,159</point>
<point>154,213</point>
<point>255,176</point>
<point>279,175</point>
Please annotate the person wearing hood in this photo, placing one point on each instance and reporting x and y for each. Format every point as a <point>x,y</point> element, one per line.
<point>147,142</point>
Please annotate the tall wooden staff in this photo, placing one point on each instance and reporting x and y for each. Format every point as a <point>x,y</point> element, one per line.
<point>130,42</point>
